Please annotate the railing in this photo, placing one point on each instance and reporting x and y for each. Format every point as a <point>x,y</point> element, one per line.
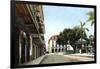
<point>39,36</point>
<point>32,12</point>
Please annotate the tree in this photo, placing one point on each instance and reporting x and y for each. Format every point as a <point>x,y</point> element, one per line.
<point>83,30</point>
<point>72,35</point>
<point>59,40</point>
<point>67,34</point>
<point>90,17</point>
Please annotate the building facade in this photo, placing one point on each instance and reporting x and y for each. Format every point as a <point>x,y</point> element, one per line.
<point>27,33</point>
<point>54,47</point>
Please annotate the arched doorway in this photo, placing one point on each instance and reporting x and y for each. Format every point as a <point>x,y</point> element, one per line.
<point>22,47</point>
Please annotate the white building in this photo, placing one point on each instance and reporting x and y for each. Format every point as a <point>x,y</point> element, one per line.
<point>53,47</point>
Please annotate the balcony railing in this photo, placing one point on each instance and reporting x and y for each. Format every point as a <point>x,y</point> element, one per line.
<point>33,15</point>
<point>41,38</point>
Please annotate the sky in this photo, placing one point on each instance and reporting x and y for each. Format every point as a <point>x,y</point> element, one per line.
<point>56,18</point>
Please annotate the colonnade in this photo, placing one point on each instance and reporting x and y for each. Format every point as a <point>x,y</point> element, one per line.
<point>28,50</point>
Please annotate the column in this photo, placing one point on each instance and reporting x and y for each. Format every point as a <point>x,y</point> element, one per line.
<point>64,48</point>
<point>53,46</point>
<point>57,48</point>
<point>20,47</point>
<point>30,38</point>
<point>50,46</point>
<point>35,51</point>
<point>60,48</point>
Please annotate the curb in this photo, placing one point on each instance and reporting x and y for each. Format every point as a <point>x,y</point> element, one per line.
<point>36,61</point>
<point>85,56</point>
<point>42,59</point>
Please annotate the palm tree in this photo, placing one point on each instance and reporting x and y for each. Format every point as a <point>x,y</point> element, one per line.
<point>90,17</point>
<point>80,31</point>
<point>83,29</point>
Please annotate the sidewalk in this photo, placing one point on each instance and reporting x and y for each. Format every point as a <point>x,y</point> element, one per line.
<point>36,61</point>
<point>83,55</point>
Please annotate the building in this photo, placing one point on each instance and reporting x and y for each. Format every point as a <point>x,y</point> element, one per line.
<point>91,46</point>
<point>52,43</point>
<point>27,33</point>
<point>54,47</point>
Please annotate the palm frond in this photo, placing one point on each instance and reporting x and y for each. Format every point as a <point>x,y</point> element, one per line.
<point>90,17</point>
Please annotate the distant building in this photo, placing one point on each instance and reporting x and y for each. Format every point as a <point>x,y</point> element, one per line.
<point>91,46</point>
<point>54,47</point>
<point>52,43</point>
<point>27,33</point>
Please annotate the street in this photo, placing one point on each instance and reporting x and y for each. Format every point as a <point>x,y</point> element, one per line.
<point>56,58</point>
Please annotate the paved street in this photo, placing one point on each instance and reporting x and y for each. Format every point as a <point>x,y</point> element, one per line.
<point>56,58</point>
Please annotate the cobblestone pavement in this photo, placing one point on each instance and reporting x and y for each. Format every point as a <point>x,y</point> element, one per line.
<point>56,58</point>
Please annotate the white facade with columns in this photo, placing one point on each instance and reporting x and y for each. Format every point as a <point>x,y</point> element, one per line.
<point>53,47</point>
